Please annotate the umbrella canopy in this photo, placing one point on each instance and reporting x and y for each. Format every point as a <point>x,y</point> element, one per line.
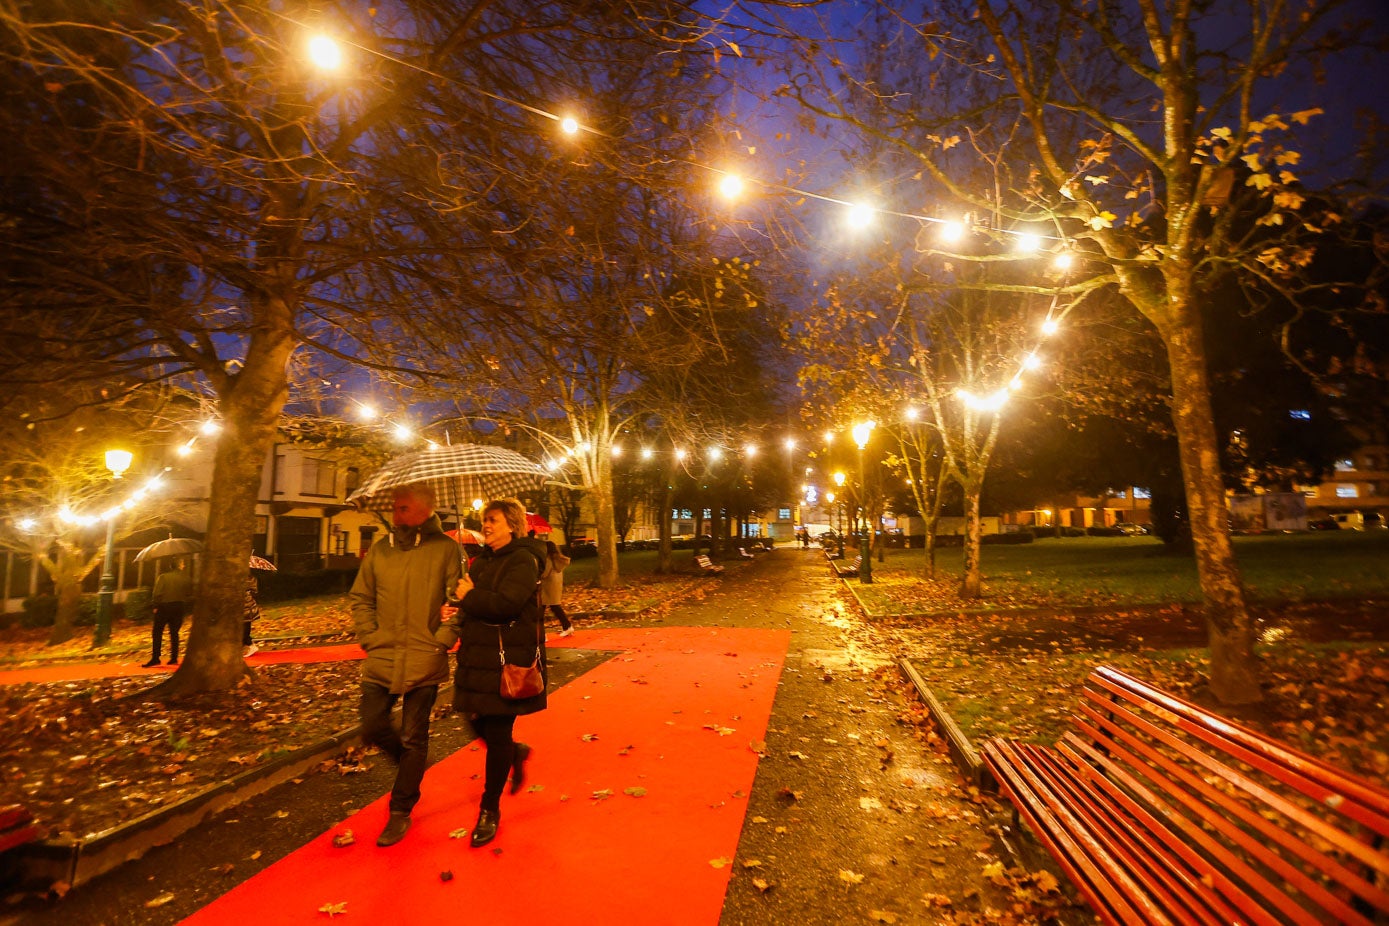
<point>466,535</point>
<point>173,546</point>
<point>261,563</point>
<point>535,522</point>
<point>458,473</point>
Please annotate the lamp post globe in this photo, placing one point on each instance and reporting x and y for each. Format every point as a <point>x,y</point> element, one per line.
<point>117,461</point>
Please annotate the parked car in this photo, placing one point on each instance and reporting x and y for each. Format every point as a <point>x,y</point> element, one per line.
<point>1130,529</point>
<point>1322,524</point>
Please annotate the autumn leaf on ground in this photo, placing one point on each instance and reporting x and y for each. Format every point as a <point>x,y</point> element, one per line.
<point>850,877</point>
<point>602,795</point>
<point>937,900</point>
<point>635,791</point>
<point>458,833</point>
<point>762,884</point>
<point>870,803</point>
<point>333,909</point>
<point>345,838</point>
<point>882,916</point>
<point>159,901</point>
<point>720,862</point>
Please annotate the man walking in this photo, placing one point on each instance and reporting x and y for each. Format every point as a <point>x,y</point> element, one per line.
<point>168,603</point>
<point>395,609</point>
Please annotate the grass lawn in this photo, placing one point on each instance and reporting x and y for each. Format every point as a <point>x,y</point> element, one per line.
<point>1081,571</point>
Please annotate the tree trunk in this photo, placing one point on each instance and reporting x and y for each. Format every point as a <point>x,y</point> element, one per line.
<point>972,586</point>
<point>67,587</point>
<point>1234,668</point>
<point>250,409</point>
<point>606,521</point>
<point>665,562</point>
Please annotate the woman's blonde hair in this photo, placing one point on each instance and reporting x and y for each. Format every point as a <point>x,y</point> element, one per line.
<point>513,511</point>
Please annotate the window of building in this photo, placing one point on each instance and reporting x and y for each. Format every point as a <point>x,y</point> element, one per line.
<point>1141,493</point>
<point>1345,465</point>
<point>1300,414</point>
<point>783,514</point>
<point>317,477</point>
<point>1347,491</point>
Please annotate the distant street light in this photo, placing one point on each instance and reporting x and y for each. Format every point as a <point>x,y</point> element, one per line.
<point>117,461</point>
<point>839,481</point>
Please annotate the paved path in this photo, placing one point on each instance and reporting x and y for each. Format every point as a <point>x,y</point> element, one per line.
<point>853,815</point>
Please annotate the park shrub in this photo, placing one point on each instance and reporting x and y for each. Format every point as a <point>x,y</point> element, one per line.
<point>1098,531</point>
<point>579,550</point>
<point>287,586</point>
<point>42,611</point>
<point>1010,538</point>
<point>137,606</point>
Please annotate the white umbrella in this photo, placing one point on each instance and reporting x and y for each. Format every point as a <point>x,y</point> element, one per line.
<point>458,473</point>
<point>173,546</point>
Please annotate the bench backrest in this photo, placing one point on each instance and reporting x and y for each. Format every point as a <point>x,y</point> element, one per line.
<point>1280,835</point>
<point>703,560</point>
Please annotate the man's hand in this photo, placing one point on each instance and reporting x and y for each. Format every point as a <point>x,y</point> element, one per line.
<point>465,585</point>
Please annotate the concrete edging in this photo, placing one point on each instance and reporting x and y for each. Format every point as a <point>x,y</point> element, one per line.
<point>77,860</point>
<point>962,751</point>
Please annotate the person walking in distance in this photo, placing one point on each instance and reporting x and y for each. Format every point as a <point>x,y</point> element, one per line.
<point>552,587</point>
<point>396,602</point>
<point>498,619</point>
<point>169,603</point>
<point>250,614</point>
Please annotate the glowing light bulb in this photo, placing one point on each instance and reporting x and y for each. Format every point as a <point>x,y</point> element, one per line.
<point>28,524</point>
<point>952,231</point>
<point>325,53</point>
<point>617,450</point>
<point>860,216</point>
<point>731,186</point>
<point>790,443</point>
<point>569,125</point>
<point>402,432</point>
<point>1028,242</point>
<point>715,453</point>
<point>1050,326</point>
<point>1031,362</point>
<point>647,453</point>
<point>367,412</point>
<point>680,454</point>
<point>1063,260</point>
<point>209,427</point>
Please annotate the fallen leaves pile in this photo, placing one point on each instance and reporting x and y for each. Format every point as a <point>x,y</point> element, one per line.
<point>86,756</point>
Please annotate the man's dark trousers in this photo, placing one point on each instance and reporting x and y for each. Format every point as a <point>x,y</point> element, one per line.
<point>407,747</point>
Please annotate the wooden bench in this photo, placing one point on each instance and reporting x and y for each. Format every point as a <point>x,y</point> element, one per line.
<point>745,554</point>
<point>17,827</point>
<point>850,569</point>
<point>1163,812</point>
<point>707,566</point>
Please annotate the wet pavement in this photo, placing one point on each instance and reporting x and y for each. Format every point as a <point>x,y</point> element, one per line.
<point>856,814</point>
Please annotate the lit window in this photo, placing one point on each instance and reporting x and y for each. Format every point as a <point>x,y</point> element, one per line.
<point>1300,414</point>
<point>1346,464</point>
<point>783,514</point>
<point>1347,491</point>
<point>1141,493</point>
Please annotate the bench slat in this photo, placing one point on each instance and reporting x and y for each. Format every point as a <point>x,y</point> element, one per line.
<point>1194,819</point>
<point>1178,886</point>
<point>1069,843</point>
<point>1345,793</point>
<point>1238,876</point>
<point>1199,795</point>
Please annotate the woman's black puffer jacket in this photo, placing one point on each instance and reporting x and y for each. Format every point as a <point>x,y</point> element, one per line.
<point>503,597</point>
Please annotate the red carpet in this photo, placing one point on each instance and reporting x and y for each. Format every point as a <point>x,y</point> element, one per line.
<point>673,714</point>
<point>79,670</point>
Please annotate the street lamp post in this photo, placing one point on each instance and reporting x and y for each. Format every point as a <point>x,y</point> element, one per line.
<point>839,481</point>
<point>862,432</point>
<point>117,461</point>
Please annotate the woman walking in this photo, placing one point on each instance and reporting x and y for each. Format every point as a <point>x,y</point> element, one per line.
<point>498,618</point>
<point>552,587</point>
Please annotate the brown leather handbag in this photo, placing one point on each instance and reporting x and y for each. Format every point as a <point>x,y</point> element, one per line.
<point>520,682</point>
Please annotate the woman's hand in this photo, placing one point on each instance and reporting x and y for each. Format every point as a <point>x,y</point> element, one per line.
<point>465,585</point>
<point>447,612</point>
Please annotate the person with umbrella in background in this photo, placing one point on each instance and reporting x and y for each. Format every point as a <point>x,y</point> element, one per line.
<point>396,602</point>
<point>168,603</point>
<point>251,609</point>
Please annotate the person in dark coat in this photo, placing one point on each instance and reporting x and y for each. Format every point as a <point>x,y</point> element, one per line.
<point>396,603</point>
<point>173,590</point>
<point>498,597</point>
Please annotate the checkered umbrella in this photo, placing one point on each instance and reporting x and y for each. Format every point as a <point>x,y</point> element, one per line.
<point>174,546</point>
<point>458,473</point>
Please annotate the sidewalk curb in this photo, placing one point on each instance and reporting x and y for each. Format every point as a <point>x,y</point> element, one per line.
<point>962,751</point>
<point>77,860</point>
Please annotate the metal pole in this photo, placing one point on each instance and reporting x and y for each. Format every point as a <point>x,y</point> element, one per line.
<point>107,593</point>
